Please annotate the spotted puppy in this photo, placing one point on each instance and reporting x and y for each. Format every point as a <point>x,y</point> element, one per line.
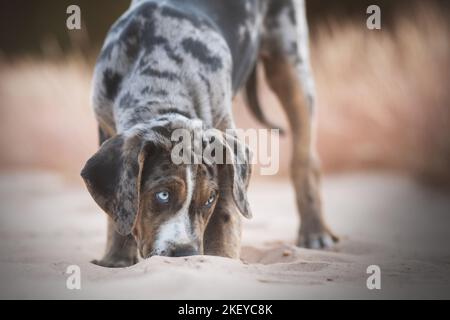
<point>177,64</point>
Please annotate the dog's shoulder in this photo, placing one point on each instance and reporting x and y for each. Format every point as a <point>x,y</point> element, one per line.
<point>119,52</point>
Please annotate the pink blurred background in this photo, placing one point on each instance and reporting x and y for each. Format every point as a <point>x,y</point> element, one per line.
<point>383,100</point>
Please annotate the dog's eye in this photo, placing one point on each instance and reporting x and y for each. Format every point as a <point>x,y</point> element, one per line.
<point>211,199</point>
<point>162,196</point>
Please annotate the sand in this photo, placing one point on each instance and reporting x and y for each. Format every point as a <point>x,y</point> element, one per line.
<point>48,223</point>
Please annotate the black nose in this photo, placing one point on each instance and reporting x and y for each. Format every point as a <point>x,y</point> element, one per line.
<point>183,250</point>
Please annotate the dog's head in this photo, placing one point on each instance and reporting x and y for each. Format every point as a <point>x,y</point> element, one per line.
<point>165,204</point>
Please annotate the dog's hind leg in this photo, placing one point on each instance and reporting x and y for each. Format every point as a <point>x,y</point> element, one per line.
<point>286,63</point>
<point>121,251</point>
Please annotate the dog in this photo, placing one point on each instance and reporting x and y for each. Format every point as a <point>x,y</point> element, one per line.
<point>177,64</point>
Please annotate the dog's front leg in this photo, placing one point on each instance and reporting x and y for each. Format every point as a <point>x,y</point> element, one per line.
<point>121,251</point>
<point>223,233</point>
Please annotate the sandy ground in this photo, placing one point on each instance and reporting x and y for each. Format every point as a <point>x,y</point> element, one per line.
<point>48,224</point>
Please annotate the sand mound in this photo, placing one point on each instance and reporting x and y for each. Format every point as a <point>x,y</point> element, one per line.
<point>48,224</point>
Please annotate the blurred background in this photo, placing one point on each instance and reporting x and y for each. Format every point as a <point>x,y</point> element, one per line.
<point>383,95</point>
<point>383,137</point>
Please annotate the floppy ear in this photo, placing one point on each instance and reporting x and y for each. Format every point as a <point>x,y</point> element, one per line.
<point>112,177</point>
<point>238,165</point>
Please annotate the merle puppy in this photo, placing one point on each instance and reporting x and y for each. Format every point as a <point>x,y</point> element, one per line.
<point>177,64</point>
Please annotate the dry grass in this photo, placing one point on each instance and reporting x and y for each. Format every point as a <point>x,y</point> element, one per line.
<point>384,96</point>
<point>383,102</point>
<point>45,118</point>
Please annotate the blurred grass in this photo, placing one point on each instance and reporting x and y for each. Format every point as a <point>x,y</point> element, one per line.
<point>384,96</point>
<point>383,101</point>
<point>45,116</point>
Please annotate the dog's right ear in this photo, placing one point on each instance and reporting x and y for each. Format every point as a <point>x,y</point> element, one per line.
<point>113,174</point>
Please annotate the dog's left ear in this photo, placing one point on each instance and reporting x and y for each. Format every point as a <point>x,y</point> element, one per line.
<point>239,169</point>
<point>113,176</point>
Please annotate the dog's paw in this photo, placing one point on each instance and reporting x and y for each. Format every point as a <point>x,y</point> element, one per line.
<point>115,263</point>
<point>317,240</point>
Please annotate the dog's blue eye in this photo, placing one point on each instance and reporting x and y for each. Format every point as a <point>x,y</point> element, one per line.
<point>211,199</point>
<point>163,196</point>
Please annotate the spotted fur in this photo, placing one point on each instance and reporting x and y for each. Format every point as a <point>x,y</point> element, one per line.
<point>170,64</point>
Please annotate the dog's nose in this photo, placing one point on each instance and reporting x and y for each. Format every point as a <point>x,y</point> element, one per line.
<point>184,250</point>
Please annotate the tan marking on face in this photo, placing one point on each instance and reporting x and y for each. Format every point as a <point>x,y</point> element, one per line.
<point>159,175</point>
<point>199,212</point>
<point>182,221</point>
<point>177,230</point>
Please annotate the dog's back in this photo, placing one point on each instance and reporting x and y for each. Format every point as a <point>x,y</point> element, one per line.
<point>206,41</point>
<point>238,22</point>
